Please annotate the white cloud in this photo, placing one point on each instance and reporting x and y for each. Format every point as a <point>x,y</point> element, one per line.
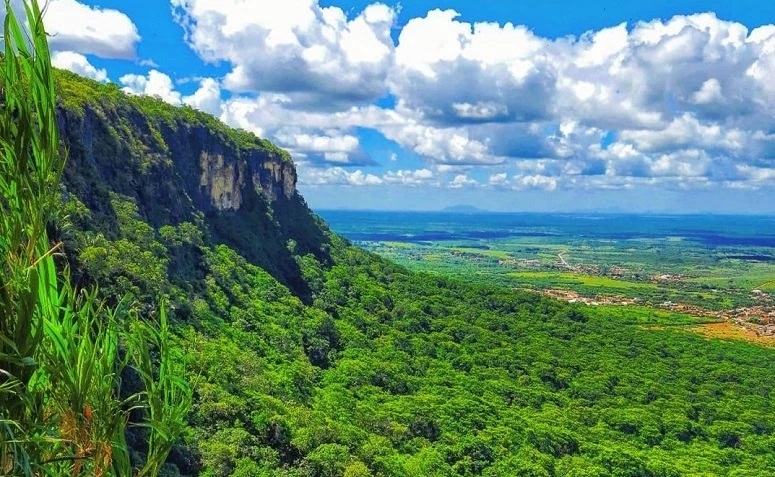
<point>307,142</point>
<point>155,83</point>
<point>296,47</point>
<point>458,169</point>
<point>407,177</point>
<point>462,180</point>
<point>687,131</point>
<point>207,98</point>
<point>148,63</point>
<point>756,175</point>
<point>315,136</point>
<point>450,71</point>
<point>498,179</point>
<point>666,88</point>
<point>645,77</point>
<point>535,182</point>
<point>337,176</point>
<point>410,177</point>
<point>103,32</point>
<point>441,145</point>
<point>710,92</point>
<point>78,64</point>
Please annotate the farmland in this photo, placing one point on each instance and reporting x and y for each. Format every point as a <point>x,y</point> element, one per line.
<point>716,267</point>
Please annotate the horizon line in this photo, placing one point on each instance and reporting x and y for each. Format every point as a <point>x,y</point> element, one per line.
<point>557,212</point>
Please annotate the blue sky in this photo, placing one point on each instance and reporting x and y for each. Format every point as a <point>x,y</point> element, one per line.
<point>518,105</point>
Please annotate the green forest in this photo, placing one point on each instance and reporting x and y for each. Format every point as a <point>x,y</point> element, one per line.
<point>307,356</point>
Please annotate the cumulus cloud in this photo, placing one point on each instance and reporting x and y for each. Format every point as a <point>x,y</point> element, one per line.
<point>155,83</point>
<point>148,62</point>
<point>535,182</point>
<point>687,131</point>
<point>78,64</point>
<point>709,93</point>
<point>462,180</point>
<point>103,32</point>
<point>315,136</point>
<point>443,145</point>
<point>667,88</point>
<point>406,177</point>
<point>317,54</point>
<point>455,72</point>
<point>327,146</point>
<point>410,177</point>
<point>696,63</point>
<point>207,98</point>
<point>337,176</point>
<point>499,179</point>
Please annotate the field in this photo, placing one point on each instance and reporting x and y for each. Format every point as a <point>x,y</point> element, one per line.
<point>575,280</point>
<point>719,267</point>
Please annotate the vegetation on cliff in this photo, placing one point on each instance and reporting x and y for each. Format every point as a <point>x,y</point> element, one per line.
<point>77,94</point>
<point>136,157</point>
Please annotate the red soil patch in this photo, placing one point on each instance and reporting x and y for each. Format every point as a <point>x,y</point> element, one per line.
<point>730,331</point>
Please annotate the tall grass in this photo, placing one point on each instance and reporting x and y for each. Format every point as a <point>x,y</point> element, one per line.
<point>61,352</point>
<point>81,367</point>
<point>167,395</point>
<point>30,169</point>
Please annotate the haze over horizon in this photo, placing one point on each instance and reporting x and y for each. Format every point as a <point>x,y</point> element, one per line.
<point>533,106</point>
<point>473,210</point>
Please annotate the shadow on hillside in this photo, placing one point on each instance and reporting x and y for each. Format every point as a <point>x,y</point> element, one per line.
<point>270,237</point>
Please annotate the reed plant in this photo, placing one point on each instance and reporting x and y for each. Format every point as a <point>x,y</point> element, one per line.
<point>167,396</point>
<point>30,169</point>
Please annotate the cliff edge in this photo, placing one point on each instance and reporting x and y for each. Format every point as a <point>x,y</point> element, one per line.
<point>181,165</point>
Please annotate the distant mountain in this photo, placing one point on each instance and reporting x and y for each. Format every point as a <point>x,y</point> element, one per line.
<point>463,209</point>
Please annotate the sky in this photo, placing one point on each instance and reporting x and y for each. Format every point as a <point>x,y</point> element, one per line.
<point>522,105</point>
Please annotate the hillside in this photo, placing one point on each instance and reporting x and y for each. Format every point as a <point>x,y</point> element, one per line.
<point>310,357</point>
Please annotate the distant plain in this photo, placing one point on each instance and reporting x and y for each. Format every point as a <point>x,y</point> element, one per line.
<point>716,263</point>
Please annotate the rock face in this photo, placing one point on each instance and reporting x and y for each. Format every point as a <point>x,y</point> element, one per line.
<point>223,181</point>
<point>275,178</point>
<point>180,165</point>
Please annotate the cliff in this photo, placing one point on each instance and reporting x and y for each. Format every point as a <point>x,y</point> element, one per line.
<point>180,165</point>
